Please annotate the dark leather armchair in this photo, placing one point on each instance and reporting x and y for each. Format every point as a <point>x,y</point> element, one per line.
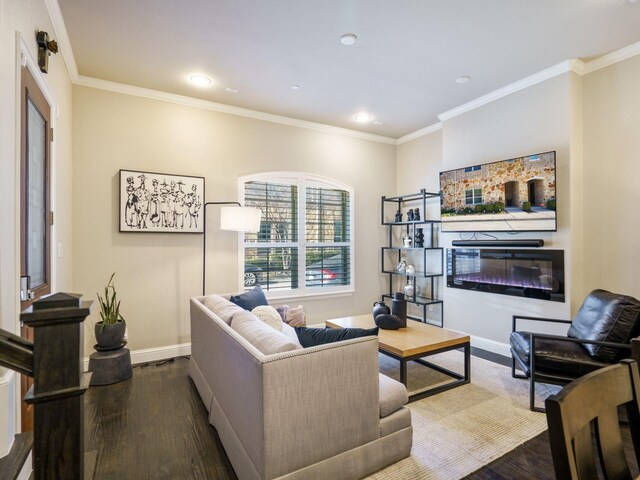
<point>600,335</point>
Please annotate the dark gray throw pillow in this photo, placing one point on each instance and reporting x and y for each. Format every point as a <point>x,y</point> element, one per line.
<point>250,299</point>
<point>310,337</point>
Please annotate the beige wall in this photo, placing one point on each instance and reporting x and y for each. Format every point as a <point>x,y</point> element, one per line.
<point>157,273</point>
<point>24,18</point>
<point>611,108</point>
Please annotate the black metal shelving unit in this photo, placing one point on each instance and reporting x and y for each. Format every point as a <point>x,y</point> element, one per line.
<point>422,279</point>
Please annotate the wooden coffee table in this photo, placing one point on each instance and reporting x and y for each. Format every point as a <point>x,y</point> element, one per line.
<point>413,343</point>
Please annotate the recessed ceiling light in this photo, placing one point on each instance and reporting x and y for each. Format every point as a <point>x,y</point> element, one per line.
<point>348,39</point>
<point>295,87</point>
<point>362,117</point>
<point>232,90</point>
<point>463,79</point>
<point>200,80</point>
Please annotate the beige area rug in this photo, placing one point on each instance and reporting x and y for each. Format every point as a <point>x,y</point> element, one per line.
<point>458,431</point>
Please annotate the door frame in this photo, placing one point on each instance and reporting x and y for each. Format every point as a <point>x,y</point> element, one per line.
<point>25,58</point>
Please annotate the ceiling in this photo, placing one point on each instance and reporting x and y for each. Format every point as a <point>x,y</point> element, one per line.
<point>402,69</point>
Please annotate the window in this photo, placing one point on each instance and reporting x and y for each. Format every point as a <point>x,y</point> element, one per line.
<point>473,196</point>
<point>473,169</point>
<point>305,240</point>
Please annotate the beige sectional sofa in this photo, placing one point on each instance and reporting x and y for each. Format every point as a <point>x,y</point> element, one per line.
<point>301,413</point>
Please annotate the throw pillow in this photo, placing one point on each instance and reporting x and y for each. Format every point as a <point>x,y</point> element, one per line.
<point>282,310</point>
<point>261,335</point>
<point>251,299</point>
<point>310,337</point>
<point>290,332</point>
<point>296,317</point>
<point>222,307</point>
<point>268,315</point>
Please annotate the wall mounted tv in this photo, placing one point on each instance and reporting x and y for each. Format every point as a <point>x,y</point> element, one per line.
<point>516,195</point>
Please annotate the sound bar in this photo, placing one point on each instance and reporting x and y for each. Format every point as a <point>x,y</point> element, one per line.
<point>498,243</point>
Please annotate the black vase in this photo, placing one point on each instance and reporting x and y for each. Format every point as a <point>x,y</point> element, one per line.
<point>418,238</point>
<point>388,322</point>
<point>380,308</point>
<point>399,307</point>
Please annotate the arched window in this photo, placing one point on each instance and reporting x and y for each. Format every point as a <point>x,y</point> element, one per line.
<point>304,245</point>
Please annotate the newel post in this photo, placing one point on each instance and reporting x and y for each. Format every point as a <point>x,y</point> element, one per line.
<point>59,385</point>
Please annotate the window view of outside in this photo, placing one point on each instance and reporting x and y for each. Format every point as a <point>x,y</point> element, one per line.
<point>290,252</point>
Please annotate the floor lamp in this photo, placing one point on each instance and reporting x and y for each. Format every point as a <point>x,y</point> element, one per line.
<point>236,219</point>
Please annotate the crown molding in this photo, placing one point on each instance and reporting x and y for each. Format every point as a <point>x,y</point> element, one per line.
<point>222,108</point>
<point>574,65</point>
<point>62,37</point>
<point>419,133</point>
<point>613,57</point>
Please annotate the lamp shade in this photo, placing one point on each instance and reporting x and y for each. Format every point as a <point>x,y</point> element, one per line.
<point>240,219</point>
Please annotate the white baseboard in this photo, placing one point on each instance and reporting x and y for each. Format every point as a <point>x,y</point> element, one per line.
<point>491,346</point>
<point>154,354</point>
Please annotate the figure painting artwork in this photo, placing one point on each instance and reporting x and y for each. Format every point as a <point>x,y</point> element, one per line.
<point>160,202</point>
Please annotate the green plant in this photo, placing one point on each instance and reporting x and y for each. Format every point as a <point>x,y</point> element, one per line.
<point>109,304</point>
<point>526,206</point>
<point>490,207</point>
<point>480,208</point>
<point>551,204</point>
<point>498,207</point>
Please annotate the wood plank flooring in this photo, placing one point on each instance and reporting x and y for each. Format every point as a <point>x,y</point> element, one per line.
<point>154,426</point>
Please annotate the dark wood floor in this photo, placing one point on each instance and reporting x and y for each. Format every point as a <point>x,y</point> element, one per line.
<point>154,426</point>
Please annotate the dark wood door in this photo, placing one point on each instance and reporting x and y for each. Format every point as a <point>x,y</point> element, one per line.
<point>35,208</point>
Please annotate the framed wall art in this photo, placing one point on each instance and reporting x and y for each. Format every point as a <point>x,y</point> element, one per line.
<point>160,202</point>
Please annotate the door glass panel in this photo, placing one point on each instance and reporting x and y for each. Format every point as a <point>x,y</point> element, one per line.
<point>36,195</point>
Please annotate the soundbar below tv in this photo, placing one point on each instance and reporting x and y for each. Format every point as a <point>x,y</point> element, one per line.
<point>515,195</point>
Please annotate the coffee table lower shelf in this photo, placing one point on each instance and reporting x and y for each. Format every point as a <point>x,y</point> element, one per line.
<point>458,379</point>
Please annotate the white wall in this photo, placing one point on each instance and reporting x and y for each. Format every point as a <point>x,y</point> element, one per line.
<point>24,18</point>
<point>158,273</point>
<point>533,120</point>
<point>611,104</point>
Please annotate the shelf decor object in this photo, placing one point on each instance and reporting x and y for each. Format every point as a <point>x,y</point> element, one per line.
<point>418,284</point>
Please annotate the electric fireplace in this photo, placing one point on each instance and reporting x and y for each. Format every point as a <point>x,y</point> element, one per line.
<point>522,273</point>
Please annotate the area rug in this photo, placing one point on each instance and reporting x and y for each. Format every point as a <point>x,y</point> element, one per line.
<point>458,431</point>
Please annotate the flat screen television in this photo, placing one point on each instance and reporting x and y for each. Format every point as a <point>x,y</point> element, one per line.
<point>515,195</point>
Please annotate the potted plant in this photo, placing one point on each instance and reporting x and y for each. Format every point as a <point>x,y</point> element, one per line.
<point>110,331</point>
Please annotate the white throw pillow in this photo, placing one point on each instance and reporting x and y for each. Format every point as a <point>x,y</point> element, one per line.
<point>269,315</point>
<point>222,307</point>
<point>290,332</point>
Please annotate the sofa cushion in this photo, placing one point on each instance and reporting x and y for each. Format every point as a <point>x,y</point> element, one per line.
<point>554,356</point>
<point>222,307</point>
<point>310,337</point>
<point>250,299</point>
<point>290,332</point>
<point>393,395</point>
<point>261,335</point>
<point>269,315</point>
<point>606,317</point>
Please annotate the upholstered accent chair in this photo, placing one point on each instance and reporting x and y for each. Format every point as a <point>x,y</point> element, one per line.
<point>602,333</point>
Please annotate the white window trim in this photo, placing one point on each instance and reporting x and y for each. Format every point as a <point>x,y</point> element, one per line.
<point>302,180</point>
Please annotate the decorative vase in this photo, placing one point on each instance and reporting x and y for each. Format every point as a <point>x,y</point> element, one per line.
<point>406,240</point>
<point>399,307</point>
<point>402,266</point>
<point>380,308</point>
<point>110,336</point>
<point>410,270</point>
<point>408,289</point>
<point>418,240</point>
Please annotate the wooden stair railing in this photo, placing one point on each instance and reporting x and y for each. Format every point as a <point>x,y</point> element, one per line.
<point>54,360</point>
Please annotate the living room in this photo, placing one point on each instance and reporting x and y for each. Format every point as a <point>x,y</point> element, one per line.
<point>583,107</point>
